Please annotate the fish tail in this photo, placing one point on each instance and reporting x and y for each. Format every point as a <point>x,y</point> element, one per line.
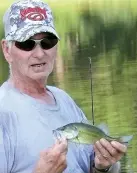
<point>126,139</point>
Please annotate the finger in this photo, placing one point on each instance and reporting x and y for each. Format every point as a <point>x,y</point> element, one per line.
<point>118,146</point>
<point>62,146</point>
<point>62,160</point>
<point>61,168</point>
<point>57,141</point>
<point>107,145</point>
<point>102,149</point>
<point>99,155</point>
<point>100,161</point>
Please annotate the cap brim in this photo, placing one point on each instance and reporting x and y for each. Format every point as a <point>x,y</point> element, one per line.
<point>27,32</point>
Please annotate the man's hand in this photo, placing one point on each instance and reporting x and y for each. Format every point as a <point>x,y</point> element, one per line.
<point>53,160</point>
<point>108,153</point>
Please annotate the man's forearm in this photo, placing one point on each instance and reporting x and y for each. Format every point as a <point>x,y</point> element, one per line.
<point>114,169</point>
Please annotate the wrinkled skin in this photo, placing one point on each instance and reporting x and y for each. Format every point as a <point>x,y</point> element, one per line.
<point>53,160</point>
<point>108,153</point>
<point>24,76</point>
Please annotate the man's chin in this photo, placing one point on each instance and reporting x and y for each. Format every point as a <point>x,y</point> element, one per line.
<point>39,77</point>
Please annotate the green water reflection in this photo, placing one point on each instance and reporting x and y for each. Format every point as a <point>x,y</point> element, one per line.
<point>106,31</point>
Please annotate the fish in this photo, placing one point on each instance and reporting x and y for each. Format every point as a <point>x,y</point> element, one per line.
<point>86,133</point>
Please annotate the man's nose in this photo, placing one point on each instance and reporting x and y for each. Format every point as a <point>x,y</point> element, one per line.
<point>38,51</point>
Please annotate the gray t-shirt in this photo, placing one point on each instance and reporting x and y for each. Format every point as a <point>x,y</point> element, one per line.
<point>26,126</point>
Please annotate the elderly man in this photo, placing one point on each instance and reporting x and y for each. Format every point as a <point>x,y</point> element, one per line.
<point>30,109</point>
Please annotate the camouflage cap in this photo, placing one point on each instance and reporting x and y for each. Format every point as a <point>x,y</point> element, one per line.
<point>27,17</point>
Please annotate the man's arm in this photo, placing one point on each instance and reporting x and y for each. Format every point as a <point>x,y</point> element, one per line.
<point>108,155</point>
<point>115,168</point>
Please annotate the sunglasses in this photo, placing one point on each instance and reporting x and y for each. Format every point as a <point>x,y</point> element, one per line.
<point>46,43</point>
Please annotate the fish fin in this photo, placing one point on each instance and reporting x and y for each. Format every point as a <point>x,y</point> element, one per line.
<point>101,126</point>
<point>104,128</point>
<point>126,139</point>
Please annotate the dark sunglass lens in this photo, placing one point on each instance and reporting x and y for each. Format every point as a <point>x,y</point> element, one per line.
<point>49,42</point>
<point>27,45</point>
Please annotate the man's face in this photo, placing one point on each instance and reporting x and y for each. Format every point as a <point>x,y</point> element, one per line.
<point>36,64</point>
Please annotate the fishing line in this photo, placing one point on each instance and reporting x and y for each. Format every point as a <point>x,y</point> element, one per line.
<point>91,87</point>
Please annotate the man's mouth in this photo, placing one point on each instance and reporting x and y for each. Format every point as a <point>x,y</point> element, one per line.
<point>38,65</point>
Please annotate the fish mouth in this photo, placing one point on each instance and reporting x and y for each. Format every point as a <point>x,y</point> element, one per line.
<point>57,134</point>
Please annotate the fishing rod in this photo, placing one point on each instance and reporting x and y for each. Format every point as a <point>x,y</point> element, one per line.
<point>91,87</point>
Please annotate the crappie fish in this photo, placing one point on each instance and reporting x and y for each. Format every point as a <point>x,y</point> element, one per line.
<point>86,133</point>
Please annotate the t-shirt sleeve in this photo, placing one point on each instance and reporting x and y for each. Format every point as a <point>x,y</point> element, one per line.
<point>7,142</point>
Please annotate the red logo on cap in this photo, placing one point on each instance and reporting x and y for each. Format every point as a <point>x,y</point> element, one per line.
<point>35,14</point>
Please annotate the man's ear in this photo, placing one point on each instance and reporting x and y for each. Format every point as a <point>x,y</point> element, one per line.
<point>6,50</point>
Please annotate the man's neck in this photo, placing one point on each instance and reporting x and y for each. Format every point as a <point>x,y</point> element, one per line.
<point>34,89</point>
<point>28,86</point>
